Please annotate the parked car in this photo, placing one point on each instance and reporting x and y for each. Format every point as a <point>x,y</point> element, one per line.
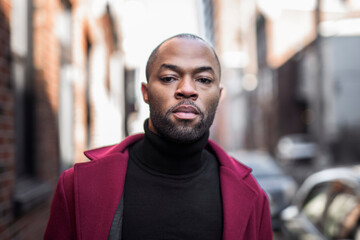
<point>295,148</point>
<point>326,206</point>
<point>279,187</point>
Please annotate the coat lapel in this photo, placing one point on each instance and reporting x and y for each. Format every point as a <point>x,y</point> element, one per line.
<point>237,205</point>
<point>237,196</point>
<point>98,189</point>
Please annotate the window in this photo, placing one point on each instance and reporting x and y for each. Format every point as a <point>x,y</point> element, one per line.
<point>29,191</point>
<point>315,204</point>
<point>342,213</point>
<point>130,100</point>
<point>66,89</point>
<point>334,208</point>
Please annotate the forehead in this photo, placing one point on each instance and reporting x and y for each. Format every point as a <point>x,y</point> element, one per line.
<point>187,53</point>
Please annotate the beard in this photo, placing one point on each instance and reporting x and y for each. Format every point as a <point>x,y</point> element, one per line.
<point>182,130</point>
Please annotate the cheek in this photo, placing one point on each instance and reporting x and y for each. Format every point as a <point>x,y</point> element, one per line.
<point>158,101</point>
<point>211,101</point>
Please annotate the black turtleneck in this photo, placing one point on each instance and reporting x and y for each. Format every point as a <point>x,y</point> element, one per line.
<point>172,191</point>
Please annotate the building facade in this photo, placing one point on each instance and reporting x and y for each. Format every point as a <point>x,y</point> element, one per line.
<point>290,65</point>
<point>70,74</point>
<point>54,55</point>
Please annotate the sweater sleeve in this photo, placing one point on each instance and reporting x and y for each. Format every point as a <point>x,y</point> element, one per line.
<point>61,221</point>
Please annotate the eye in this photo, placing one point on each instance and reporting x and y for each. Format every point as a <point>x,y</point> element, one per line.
<point>168,79</point>
<point>204,80</point>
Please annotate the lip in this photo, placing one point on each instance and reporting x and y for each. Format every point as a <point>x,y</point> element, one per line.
<point>185,112</point>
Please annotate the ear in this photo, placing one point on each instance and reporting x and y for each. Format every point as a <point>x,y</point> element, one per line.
<point>222,93</point>
<point>144,90</point>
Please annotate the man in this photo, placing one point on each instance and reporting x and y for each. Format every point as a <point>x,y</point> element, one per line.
<point>171,182</point>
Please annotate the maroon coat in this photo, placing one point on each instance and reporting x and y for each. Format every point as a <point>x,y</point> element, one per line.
<point>88,194</point>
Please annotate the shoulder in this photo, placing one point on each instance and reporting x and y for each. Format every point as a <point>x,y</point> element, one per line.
<point>236,169</point>
<point>66,180</point>
<point>248,178</point>
<point>100,156</point>
<point>103,152</point>
<point>226,161</point>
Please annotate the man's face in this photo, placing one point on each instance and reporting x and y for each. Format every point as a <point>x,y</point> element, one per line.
<point>183,90</point>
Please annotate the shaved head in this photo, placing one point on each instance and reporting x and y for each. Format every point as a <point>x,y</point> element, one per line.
<point>154,53</point>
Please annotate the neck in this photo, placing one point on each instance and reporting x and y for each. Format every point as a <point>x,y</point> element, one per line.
<point>171,157</point>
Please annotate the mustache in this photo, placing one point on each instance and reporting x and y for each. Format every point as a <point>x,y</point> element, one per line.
<point>185,102</point>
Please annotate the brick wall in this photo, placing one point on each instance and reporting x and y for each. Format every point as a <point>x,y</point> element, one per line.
<point>6,119</point>
<point>46,59</point>
<point>81,38</point>
<point>44,81</point>
<point>46,62</point>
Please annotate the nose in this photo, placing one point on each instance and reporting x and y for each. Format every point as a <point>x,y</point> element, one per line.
<point>186,89</point>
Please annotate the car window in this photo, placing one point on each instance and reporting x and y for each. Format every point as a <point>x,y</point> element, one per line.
<point>334,208</point>
<point>315,208</point>
<point>317,189</point>
<point>341,217</point>
<point>315,204</point>
<point>342,213</point>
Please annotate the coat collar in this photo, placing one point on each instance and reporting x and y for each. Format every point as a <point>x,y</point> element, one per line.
<point>102,152</point>
<point>99,187</point>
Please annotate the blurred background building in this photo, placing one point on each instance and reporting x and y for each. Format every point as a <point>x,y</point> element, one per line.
<point>70,74</point>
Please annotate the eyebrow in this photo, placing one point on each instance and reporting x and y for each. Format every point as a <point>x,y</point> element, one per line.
<point>204,69</point>
<point>179,70</point>
<point>170,67</point>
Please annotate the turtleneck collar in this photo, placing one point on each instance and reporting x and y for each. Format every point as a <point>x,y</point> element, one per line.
<point>170,157</point>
